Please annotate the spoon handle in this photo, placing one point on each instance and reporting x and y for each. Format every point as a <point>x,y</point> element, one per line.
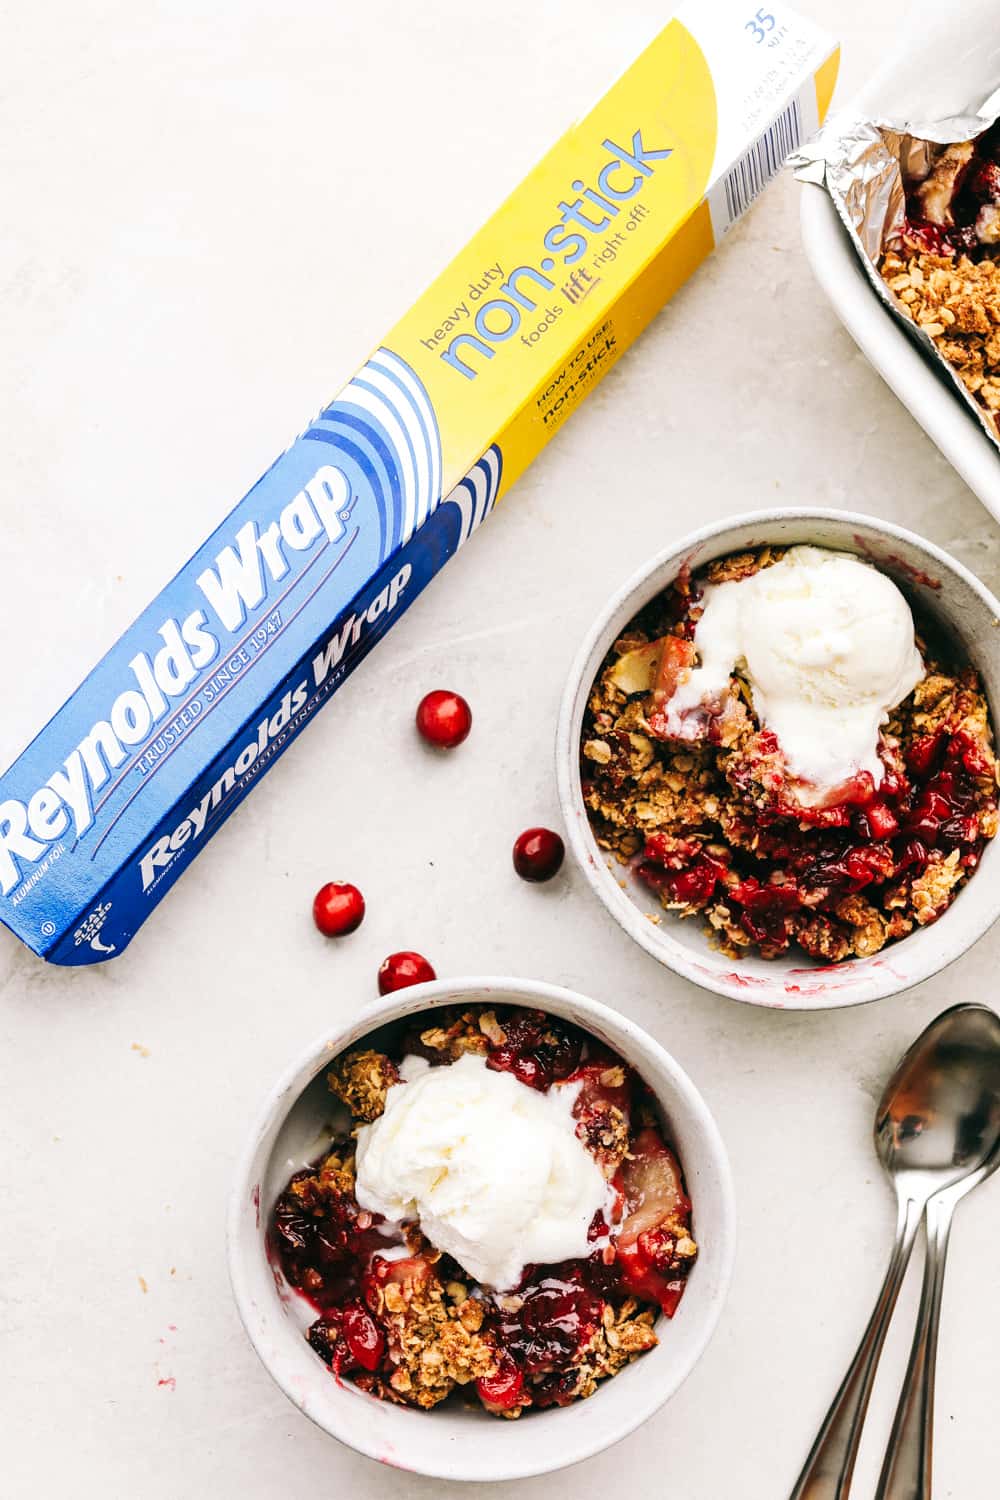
<point>906,1472</point>
<point>828,1469</point>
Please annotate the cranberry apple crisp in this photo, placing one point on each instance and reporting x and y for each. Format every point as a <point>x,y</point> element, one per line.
<point>406,1320</point>
<point>705,809</point>
<point>942,266</point>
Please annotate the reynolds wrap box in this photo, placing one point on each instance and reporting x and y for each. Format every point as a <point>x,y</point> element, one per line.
<point>114,798</point>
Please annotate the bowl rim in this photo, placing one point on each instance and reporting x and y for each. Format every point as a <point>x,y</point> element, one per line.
<point>299,1074</point>
<point>657,942</point>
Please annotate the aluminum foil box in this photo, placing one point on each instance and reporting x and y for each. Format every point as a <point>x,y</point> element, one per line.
<point>174,727</point>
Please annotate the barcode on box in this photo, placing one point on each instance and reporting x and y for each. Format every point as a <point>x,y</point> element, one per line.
<point>751,174</point>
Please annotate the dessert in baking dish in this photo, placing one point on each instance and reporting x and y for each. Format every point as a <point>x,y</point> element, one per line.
<point>942,265</point>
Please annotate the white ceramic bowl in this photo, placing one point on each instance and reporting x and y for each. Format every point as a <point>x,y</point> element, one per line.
<point>453,1442</point>
<point>939,586</point>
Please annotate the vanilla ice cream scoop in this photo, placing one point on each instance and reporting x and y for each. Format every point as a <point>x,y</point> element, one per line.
<point>493,1170</point>
<point>826,643</point>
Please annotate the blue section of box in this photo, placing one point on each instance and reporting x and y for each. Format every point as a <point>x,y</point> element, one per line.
<point>115,797</point>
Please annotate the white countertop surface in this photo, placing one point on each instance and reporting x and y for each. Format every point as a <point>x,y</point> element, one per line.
<point>213,212</point>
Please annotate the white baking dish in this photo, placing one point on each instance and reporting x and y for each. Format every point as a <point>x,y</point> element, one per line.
<point>946,64</point>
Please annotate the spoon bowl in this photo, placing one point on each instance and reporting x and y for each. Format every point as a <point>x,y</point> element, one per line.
<point>939,1117</point>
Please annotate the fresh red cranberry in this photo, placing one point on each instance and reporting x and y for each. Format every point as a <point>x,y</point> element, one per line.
<point>338,908</point>
<point>444,719</point>
<point>400,970</point>
<point>538,854</point>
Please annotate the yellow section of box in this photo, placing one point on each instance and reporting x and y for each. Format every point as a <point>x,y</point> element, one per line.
<point>571,268</point>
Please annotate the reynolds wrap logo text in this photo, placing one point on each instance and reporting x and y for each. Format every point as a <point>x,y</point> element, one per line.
<point>295,707</point>
<point>232,587</point>
<point>566,242</point>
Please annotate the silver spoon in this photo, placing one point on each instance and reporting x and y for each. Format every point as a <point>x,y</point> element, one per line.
<point>937,1126</point>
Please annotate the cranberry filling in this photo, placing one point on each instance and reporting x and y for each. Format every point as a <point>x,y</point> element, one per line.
<point>694,886</point>
<point>363,1336</point>
<point>321,1251</point>
<point>814,856</point>
<point>534,1051</point>
<point>877,821</point>
<point>851,869</point>
<point>558,1314</point>
<point>657,1213</point>
<point>763,910</point>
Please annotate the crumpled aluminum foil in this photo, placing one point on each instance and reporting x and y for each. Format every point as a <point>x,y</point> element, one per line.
<point>862,164</point>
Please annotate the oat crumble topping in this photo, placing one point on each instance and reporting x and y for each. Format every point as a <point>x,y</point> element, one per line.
<point>956,302</point>
<point>435,1343</point>
<point>362,1080</point>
